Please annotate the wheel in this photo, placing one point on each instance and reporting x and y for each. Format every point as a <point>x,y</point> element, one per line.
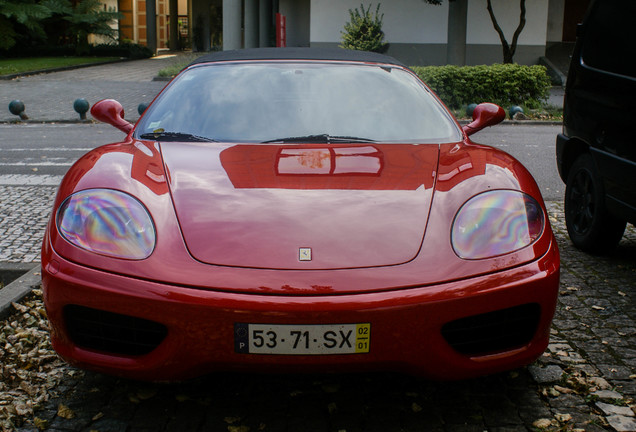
<point>590,226</point>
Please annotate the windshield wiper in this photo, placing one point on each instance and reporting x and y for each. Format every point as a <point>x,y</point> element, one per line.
<point>174,136</point>
<point>321,138</point>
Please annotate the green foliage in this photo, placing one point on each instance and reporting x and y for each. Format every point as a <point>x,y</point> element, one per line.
<point>503,84</point>
<point>53,22</point>
<point>22,65</point>
<point>128,50</point>
<point>19,16</point>
<point>364,31</point>
<point>177,66</point>
<point>88,17</point>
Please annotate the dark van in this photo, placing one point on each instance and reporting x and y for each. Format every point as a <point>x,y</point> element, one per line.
<point>596,153</point>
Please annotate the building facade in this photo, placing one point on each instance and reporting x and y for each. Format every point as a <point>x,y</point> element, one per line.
<point>134,24</point>
<point>458,32</point>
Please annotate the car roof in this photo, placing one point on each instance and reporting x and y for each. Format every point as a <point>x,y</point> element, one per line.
<point>337,54</point>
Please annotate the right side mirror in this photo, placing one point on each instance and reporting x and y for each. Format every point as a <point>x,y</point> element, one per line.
<point>110,111</point>
<point>484,115</point>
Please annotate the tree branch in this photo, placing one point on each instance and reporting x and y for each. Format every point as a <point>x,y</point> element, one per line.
<point>522,23</point>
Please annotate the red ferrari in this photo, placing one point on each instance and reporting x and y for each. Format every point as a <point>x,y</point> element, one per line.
<point>298,210</point>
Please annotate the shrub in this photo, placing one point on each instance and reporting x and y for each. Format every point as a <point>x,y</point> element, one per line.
<point>364,31</point>
<point>503,84</point>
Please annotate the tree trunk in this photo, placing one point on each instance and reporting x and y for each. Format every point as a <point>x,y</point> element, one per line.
<point>508,49</point>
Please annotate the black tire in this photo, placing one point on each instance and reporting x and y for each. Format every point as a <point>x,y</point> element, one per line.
<point>590,226</point>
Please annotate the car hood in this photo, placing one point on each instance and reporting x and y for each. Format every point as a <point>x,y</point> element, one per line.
<point>330,206</point>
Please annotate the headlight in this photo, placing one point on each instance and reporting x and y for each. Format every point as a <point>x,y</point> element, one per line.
<point>107,222</point>
<point>496,223</point>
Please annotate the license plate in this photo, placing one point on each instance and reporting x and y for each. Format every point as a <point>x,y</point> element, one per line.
<point>310,339</point>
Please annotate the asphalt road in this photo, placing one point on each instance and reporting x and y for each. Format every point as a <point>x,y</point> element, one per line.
<point>34,154</point>
<point>534,146</point>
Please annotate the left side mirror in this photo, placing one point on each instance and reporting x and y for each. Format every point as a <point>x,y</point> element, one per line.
<point>484,115</point>
<point>110,111</point>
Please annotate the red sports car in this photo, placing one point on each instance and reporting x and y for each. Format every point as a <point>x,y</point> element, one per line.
<point>298,210</point>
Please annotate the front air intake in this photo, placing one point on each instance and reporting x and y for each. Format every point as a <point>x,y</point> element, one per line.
<point>113,333</point>
<point>493,332</point>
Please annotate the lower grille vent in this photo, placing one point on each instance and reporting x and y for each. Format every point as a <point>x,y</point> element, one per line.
<point>491,332</point>
<point>110,332</point>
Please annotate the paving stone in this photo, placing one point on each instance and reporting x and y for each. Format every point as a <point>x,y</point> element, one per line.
<point>615,372</point>
<point>567,401</point>
<point>622,424</point>
<point>609,409</point>
<point>607,395</point>
<point>548,374</point>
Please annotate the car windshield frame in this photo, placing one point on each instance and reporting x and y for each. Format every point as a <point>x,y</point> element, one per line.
<point>296,99</point>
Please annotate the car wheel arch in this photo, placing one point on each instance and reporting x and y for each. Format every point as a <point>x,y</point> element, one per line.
<point>590,225</point>
<point>572,151</point>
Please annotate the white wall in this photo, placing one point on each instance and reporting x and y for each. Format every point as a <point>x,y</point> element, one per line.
<point>405,21</point>
<point>481,31</point>
<point>556,9</point>
<point>297,21</point>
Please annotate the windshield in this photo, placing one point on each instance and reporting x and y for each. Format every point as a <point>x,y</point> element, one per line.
<point>298,102</point>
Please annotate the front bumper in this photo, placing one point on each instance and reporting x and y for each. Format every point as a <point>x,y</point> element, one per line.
<point>198,335</point>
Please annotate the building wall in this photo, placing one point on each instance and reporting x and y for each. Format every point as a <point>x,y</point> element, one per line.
<point>405,21</point>
<point>482,41</point>
<point>133,24</point>
<point>480,29</point>
<point>127,24</point>
<point>162,23</point>
<point>417,32</point>
<point>297,13</point>
<point>556,8</point>
<point>140,24</point>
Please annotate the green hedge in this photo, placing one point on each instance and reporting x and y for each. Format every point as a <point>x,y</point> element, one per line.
<point>128,50</point>
<point>503,84</point>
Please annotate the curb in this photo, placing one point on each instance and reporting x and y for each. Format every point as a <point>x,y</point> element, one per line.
<point>18,289</point>
<point>61,69</point>
<point>78,121</point>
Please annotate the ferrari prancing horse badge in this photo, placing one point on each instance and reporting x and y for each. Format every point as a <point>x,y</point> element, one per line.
<point>304,254</point>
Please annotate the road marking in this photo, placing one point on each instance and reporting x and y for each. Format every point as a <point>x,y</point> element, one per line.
<point>36,164</point>
<point>51,149</point>
<point>30,180</point>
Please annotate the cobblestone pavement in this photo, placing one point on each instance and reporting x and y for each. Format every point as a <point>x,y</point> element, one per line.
<point>22,226</point>
<point>586,381</point>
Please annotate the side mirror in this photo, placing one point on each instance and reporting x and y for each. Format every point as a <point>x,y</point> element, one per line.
<point>486,114</point>
<point>110,111</point>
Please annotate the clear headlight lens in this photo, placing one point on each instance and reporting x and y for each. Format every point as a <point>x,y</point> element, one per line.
<point>496,223</point>
<point>107,222</point>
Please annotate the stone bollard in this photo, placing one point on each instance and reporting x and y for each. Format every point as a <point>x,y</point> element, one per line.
<point>16,107</point>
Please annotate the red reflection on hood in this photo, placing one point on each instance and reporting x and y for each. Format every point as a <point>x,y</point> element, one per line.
<point>364,167</point>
